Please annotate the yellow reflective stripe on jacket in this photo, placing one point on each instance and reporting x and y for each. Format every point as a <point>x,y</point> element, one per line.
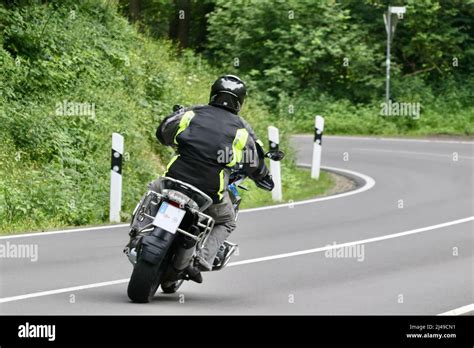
<point>220,194</point>
<point>259,142</point>
<point>184,123</point>
<point>170,163</point>
<point>238,146</point>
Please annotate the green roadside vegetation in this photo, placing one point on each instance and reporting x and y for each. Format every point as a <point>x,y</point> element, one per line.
<point>73,72</point>
<point>328,58</point>
<point>297,185</point>
<point>55,164</point>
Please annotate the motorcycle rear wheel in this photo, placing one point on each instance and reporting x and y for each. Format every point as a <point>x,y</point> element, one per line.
<point>144,282</point>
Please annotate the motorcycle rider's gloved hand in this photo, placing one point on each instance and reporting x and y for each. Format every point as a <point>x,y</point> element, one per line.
<point>265,183</point>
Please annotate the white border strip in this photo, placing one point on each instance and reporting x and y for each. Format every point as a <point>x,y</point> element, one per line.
<point>256,260</point>
<point>363,241</point>
<point>61,291</point>
<point>369,183</point>
<point>411,153</point>
<point>37,234</point>
<point>389,139</point>
<point>460,310</point>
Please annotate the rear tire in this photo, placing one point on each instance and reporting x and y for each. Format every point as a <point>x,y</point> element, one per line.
<point>144,281</point>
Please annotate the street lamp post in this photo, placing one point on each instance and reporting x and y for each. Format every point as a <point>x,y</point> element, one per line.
<point>390,27</point>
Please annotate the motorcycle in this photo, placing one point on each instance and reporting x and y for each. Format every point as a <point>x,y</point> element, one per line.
<point>169,224</point>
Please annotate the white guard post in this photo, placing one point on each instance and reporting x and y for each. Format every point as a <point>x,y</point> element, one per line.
<point>275,169</point>
<point>116,178</point>
<point>317,146</point>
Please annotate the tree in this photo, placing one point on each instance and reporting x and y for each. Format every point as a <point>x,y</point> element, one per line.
<point>296,45</point>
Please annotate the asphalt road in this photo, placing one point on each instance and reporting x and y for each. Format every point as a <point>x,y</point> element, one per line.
<point>419,189</point>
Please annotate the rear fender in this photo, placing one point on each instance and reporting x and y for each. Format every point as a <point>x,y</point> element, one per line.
<point>155,246</point>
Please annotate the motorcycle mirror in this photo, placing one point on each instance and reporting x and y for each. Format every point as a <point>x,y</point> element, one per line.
<point>275,155</point>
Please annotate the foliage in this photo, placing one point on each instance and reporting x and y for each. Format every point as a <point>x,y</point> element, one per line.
<point>324,56</point>
<point>297,184</point>
<point>163,18</point>
<point>453,114</point>
<point>327,57</point>
<point>55,167</point>
<point>298,57</point>
<point>296,45</point>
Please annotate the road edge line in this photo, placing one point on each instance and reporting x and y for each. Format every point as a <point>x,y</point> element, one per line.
<point>460,310</point>
<point>244,262</point>
<point>439,141</point>
<point>369,182</point>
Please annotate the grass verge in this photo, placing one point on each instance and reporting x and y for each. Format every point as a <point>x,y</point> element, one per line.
<point>297,185</point>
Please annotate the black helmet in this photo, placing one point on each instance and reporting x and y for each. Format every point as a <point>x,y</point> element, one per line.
<point>229,92</point>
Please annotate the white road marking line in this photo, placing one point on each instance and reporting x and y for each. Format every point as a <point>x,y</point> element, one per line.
<point>38,234</point>
<point>244,262</point>
<point>363,241</point>
<point>460,310</point>
<point>61,291</point>
<point>369,183</point>
<point>411,153</point>
<point>389,139</point>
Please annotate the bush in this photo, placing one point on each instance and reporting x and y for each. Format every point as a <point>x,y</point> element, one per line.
<point>446,109</point>
<point>54,167</point>
<point>322,57</point>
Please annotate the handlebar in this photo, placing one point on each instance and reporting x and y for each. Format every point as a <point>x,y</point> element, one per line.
<point>237,175</point>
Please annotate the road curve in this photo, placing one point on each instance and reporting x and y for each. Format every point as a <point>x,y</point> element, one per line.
<point>411,234</point>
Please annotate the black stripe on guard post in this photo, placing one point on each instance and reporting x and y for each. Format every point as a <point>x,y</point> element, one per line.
<point>116,165</point>
<point>273,146</point>
<point>317,148</point>
<point>318,136</point>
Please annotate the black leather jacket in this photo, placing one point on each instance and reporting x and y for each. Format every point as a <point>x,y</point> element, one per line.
<point>210,141</point>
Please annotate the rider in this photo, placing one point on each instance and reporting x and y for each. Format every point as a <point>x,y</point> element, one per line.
<point>211,140</point>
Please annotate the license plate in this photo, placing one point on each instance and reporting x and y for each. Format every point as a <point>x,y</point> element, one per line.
<point>169,217</point>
